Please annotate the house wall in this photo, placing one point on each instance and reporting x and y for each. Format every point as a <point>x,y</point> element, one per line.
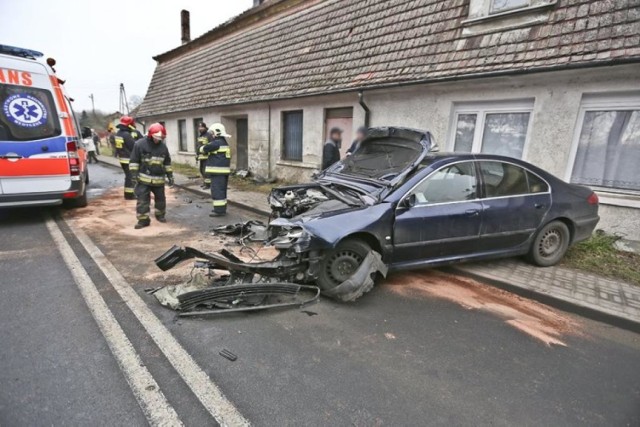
<point>556,100</point>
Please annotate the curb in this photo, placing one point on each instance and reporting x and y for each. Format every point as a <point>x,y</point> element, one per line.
<point>240,205</point>
<point>550,300</point>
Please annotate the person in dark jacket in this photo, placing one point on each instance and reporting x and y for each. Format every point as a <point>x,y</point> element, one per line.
<point>361,133</point>
<point>202,157</point>
<point>150,163</point>
<point>331,150</point>
<point>125,139</point>
<point>218,166</point>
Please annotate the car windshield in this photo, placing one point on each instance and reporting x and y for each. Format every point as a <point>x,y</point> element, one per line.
<point>382,158</point>
<point>27,114</point>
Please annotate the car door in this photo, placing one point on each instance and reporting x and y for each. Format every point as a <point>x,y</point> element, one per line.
<point>515,202</point>
<point>440,217</point>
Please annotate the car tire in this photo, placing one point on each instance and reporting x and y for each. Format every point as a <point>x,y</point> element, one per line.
<point>80,202</point>
<point>340,263</point>
<point>550,244</point>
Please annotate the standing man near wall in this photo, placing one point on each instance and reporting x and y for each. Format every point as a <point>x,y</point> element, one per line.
<point>150,163</point>
<point>125,139</point>
<point>202,156</point>
<point>218,167</point>
<point>331,150</point>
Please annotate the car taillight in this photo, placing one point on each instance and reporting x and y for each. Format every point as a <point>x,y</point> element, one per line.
<point>593,199</point>
<point>74,158</point>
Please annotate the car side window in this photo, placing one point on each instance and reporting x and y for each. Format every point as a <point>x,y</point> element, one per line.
<point>454,183</point>
<point>536,184</point>
<point>503,179</point>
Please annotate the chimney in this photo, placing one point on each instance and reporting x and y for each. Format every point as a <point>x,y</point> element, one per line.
<point>185,25</point>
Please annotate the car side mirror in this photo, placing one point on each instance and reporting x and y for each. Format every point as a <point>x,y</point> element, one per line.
<point>409,202</point>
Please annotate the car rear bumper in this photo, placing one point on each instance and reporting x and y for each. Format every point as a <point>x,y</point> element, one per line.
<point>584,228</point>
<point>42,199</point>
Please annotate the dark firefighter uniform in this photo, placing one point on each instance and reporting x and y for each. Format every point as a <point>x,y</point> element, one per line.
<point>124,140</point>
<point>150,163</point>
<point>203,140</point>
<point>218,168</point>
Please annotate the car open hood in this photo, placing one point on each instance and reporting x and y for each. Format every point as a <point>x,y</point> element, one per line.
<point>383,159</point>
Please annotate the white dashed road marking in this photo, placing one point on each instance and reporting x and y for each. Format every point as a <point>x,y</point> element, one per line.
<point>202,386</point>
<point>150,398</point>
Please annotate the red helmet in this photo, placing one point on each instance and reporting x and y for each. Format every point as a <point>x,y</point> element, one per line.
<point>126,120</point>
<point>157,132</point>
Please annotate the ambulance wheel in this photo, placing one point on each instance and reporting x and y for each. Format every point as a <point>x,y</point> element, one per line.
<point>80,202</point>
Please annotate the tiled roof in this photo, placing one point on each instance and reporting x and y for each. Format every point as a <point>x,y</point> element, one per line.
<point>331,46</point>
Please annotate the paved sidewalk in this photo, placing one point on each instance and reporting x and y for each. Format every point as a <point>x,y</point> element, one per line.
<point>583,290</point>
<point>250,200</point>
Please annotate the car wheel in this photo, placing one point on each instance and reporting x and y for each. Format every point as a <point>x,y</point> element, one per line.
<point>342,262</point>
<point>80,202</point>
<point>550,244</point>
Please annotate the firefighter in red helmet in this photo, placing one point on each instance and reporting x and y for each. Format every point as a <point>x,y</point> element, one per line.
<point>124,140</point>
<point>150,164</point>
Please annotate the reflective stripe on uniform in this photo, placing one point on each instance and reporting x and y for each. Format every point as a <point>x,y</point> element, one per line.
<point>134,166</point>
<point>154,161</point>
<point>217,170</point>
<point>150,179</point>
<point>128,190</point>
<point>223,149</point>
<point>207,180</point>
<point>124,161</point>
<point>119,142</point>
<point>168,169</point>
<point>219,203</point>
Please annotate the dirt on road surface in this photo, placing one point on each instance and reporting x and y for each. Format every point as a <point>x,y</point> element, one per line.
<point>535,319</point>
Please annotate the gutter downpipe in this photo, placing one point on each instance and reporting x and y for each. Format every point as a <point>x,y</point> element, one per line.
<point>367,111</point>
<point>269,145</point>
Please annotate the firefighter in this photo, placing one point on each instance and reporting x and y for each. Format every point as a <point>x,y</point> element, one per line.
<point>150,163</point>
<point>124,140</point>
<point>202,156</point>
<point>218,167</point>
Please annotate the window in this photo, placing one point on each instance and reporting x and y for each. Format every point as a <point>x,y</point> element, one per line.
<point>454,183</point>
<point>608,144</point>
<point>27,113</point>
<point>292,135</point>
<point>536,184</point>
<point>496,128</point>
<point>196,133</point>
<point>182,135</point>
<point>498,6</point>
<point>503,179</point>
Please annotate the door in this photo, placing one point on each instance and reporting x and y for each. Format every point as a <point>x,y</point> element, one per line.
<point>242,155</point>
<point>341,118</point>
<point>442,218</point>
<point>514,205</point>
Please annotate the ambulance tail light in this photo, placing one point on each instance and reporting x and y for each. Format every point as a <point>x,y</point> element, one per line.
<point>74,158</point>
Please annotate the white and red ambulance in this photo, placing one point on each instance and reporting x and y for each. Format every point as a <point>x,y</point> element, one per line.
<point>42,159</point>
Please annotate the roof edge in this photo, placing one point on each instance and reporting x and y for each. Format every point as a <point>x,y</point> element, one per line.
<point>257,13</point>
<point>430,80</point>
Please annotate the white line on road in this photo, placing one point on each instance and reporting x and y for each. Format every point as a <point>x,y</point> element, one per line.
<point>202,386</point>
<point>150,398</point>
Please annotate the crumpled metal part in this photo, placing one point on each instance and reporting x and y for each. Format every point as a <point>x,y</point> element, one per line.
<point>252,231</point>
<point>361,281</point>
<point>168,296</point>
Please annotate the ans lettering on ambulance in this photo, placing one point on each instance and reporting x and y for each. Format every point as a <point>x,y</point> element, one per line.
<point>15,77</point>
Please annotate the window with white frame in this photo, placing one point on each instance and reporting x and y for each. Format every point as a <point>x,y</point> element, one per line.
<point>607,143</point>
<point>493,128</point>
<point>498,6</point>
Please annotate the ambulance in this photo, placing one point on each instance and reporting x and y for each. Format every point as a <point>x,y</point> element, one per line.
<point>42,159</point>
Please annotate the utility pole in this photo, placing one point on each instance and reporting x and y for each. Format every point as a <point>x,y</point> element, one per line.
<point>124,104</point>
<point>93,106</point>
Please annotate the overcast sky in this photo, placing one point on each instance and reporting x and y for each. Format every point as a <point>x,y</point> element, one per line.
<point>98,44</point>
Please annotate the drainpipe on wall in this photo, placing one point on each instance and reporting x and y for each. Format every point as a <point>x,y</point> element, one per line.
<point>269,146</point>
<point>367,111</point>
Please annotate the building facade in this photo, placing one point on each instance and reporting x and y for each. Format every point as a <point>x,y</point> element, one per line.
<point>556,83</point>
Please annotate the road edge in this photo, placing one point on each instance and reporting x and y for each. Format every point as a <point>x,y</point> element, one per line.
<point>550,300</point>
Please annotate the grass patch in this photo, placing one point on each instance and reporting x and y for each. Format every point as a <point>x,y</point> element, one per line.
<point>248,184</point>
<point>106,151</point>
<point>598,255</point>
<point>185,169</point>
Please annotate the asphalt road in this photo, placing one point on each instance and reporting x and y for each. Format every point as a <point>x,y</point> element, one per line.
<point>389,359</point>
